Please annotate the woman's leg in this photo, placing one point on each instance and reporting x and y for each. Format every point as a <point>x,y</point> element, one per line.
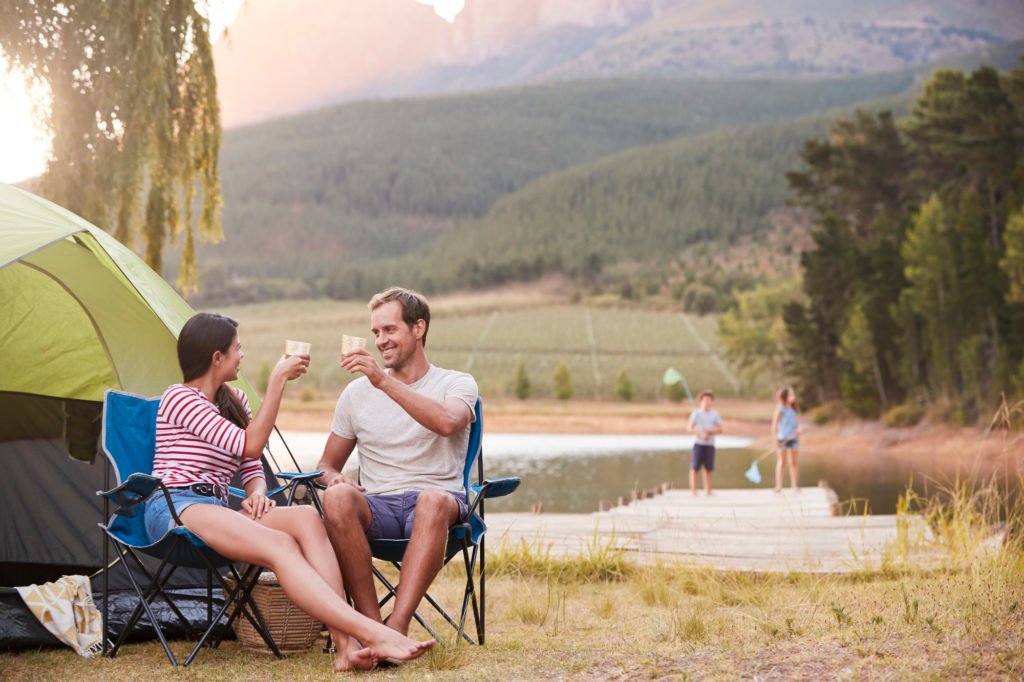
<point>238,537</point>
<point>304,524</point>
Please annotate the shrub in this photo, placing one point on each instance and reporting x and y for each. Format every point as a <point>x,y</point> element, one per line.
<point>522,382</point>
<point>902,416</point>
<point>828,412</point>
<point>674,392</point>
<point>308,394</point>
<point>623,386</point>
<point>563,381</point>
<point>700,299</point>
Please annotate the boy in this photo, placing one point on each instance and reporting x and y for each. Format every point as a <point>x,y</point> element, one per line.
<point>705,422</point>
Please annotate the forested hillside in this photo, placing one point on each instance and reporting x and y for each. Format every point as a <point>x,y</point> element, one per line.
<point>648,204</point>
<point>914,292</point>
<point>364,181</point>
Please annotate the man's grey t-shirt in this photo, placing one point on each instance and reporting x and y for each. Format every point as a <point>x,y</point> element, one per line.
<point>704,421</point>
<point>396,452</point>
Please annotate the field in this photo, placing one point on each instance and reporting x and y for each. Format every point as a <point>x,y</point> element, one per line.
<point>488,336</point>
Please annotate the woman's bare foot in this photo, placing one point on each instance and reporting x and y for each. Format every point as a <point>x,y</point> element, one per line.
<point>355,657</point>
<point>391,644</point>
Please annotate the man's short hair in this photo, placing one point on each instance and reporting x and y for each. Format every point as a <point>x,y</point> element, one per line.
<point>414,306</point>
<point>706,392</point>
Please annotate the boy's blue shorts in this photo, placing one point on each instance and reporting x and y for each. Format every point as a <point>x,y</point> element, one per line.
<point>703,456</point>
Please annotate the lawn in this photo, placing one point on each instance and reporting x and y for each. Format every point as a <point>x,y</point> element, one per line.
<point>600,617</point>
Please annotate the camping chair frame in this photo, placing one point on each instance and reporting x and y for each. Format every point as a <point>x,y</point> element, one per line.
<point>178,547</point>
<point>467,539</point>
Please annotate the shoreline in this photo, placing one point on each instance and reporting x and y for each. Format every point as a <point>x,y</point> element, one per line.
<point>860,443</point>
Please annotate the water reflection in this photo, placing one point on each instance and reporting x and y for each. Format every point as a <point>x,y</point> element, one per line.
<point>572,473</point>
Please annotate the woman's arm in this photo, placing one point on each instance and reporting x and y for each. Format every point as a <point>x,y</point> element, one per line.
<point>258,432</point>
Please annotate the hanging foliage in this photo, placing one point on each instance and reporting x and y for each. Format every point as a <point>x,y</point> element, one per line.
<point>134,116</point>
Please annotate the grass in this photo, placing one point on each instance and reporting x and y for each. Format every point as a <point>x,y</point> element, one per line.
<point>949,624</point>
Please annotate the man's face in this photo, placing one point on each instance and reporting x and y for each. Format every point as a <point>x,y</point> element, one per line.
<point>396,342</point>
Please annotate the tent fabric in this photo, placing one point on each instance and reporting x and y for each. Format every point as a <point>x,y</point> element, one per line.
<point>79,313</point>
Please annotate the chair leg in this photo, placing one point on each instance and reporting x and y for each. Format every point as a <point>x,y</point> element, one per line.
<point>149,612</point>
<point>483,585</point>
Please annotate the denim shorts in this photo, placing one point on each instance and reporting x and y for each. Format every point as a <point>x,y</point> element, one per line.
<point>392,515</point>
<point>791,444</point>
<point>158,516</point>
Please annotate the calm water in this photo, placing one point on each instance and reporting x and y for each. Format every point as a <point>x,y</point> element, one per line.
<point>572,473</point>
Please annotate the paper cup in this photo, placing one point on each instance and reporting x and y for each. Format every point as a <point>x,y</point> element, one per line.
<point>296,347</point>
<point>351,343</point>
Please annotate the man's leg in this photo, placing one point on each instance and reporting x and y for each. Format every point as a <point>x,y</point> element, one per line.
<point>347,518</point>
<point>436,512</point>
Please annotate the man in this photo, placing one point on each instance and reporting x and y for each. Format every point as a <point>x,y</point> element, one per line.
<point>411,421</point>
<point>705,422</point>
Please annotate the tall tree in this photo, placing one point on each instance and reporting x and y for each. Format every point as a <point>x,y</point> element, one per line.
<point>134,115</point>
<point>931,292</point>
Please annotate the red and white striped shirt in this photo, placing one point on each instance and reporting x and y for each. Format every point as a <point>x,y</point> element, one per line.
<point>195,444</point>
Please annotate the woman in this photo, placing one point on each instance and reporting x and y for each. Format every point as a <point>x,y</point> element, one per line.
<point>786,431</point>
<point>205,433</point>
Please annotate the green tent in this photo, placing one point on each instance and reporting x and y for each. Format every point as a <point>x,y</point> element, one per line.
<point>79,313</point>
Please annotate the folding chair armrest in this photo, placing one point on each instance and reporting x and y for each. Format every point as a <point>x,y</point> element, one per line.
<point>239,493</point>
<point>498,487</point>
<point>299,475</point>
<point>136,490</point>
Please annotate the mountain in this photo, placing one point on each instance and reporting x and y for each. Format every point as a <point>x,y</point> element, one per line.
<point>371,180</point>
<point>283,58</point>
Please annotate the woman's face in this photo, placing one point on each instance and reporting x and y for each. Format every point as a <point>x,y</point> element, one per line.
<point>230,361</point>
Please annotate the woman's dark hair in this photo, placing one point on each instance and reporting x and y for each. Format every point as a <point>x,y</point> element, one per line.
<point>202,336</point>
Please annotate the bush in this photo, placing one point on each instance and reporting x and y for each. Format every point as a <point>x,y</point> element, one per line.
<point>828,412</point>
<point>623,386</point>
<point>308,394</point>
<point>949,412</point>
<point>903,416</point>
<point>563,381</point>
<point>700,299</point>
<point>523,389</point>
<point>674,392</point>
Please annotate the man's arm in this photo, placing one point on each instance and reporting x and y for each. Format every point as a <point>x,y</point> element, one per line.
<point>444,419</point>
<point>336,453</point>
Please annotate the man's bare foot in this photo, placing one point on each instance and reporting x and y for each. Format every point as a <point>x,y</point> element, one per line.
<point>391,644</point>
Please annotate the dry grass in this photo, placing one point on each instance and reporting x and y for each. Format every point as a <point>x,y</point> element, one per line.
<point>673,622</point>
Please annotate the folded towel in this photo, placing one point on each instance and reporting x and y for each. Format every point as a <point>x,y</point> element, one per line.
<point>65,608</point>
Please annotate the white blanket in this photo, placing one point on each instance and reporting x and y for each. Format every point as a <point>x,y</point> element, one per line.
<point>65,608</point>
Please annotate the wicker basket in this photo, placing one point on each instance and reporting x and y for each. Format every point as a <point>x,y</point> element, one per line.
<point>292,628</point>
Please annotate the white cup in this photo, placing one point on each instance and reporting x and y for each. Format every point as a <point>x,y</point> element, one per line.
<point>296,347</point>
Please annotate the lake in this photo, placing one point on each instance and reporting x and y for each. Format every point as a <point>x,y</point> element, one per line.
<point>573,472</point>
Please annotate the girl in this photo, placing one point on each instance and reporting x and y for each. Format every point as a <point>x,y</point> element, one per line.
<point>205,433</point>
<point>786,431</point>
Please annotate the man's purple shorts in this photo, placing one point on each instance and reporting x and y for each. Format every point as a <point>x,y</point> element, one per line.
<point>393,514</point>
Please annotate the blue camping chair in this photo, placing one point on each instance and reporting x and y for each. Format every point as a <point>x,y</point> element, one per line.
<point>129,440</point>
<point>466,538</point>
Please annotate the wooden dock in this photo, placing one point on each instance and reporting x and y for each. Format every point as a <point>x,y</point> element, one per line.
<point>746,530</point>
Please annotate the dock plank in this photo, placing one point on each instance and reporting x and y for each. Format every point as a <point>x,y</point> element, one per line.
<point>747,530</point>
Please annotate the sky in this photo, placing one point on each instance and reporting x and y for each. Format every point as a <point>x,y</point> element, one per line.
<point>25,143</point>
